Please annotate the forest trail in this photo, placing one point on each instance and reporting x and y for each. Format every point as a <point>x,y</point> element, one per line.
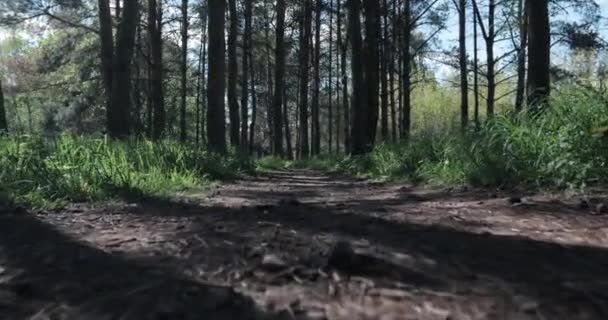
<point>261,248</point>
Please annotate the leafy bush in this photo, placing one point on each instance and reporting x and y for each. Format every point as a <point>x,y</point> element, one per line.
<point>556,149</point>
<point>40,173</point>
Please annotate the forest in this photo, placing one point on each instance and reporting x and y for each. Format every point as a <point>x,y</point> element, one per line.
<point>304,159</point>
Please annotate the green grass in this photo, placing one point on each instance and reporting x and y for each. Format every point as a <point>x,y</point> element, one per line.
<point>558,149</point>
<point>41,173</point>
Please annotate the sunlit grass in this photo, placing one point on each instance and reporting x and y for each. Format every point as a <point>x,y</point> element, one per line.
<point>44,173</point>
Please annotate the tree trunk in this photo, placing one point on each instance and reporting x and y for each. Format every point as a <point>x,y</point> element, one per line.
<point>372,72</point>
<point>157,94</point>
<point>204,19</point>
<point>330,116</point>
<point>216,122</point>
<point>339,102</point>
<point>305,34</point>
<point>119,112</point>
<point>475,69</point>
<point>254,105</point>
<point>279,75</point>
<point>245,77</point>
<point>464,73</point>
<point>107,47</point>
<point>233,104</point>
<point>384,74</point>
<point>522,19</point>
<point>359,99</point>
<point>269,78</point>
<point>3,122</point>
<point>183,136</point>
<point>136,115</point>
<point>345,103</point>
<point>199,89</point>
<point>316,132</point>
<point>539,81</point>
<point>287,127</point>
<point>407,70</point>
<point>491,62</point>
<point>391,59</point>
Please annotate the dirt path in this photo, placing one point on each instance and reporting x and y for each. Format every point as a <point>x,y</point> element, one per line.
<point>261,248</point>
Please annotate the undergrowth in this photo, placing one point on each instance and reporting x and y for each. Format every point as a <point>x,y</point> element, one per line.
<point>39,172</point>
<point>558,148</point>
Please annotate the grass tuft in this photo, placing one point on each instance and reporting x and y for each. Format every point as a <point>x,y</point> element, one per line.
<point>41,173</point>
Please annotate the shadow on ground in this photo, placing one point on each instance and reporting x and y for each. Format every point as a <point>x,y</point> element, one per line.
<point>48,275</point>
<point>564,281</point>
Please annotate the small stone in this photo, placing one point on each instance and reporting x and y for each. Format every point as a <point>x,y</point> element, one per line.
<point>514,200</point>
<point>583,204</point>
<point>272,263</point>
<point>601,209</point>
<point>341,256</point>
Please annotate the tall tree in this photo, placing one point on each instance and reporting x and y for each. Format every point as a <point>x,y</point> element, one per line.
<point>119,79</point>
<point>216,122</point>
<point>245,77</point>
<point>316,130</point>
<point>343,46</point>
<point>277,119</point>
<point>157,97</point>
<point>406,70</point>
<point>539,56</point>
<point>3,122</point>
<point>384,47</point>
<point>464,73</point>
<point>305,36</point>
<point>233,104</point>
<point>372,71</point>
<point>489,35</point>
<point>359,98</point>
<point>184,72</point>
<point>522,20</point>
<point>330,109</point>
<point>391,58</point>
<point>475,69</point>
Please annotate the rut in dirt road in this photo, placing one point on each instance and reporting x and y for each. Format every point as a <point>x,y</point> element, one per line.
<point>306,245</point>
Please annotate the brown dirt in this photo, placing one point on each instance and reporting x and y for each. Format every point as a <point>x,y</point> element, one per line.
<point>429,254</point>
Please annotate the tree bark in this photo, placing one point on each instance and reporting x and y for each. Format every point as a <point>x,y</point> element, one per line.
<point>464,73</point>
<point>183,136</point>
<point>157,94</point>
<point>233,104</point>
<point>406,71</point>
<point>372,72</point>
<point>254,105</point>
<point>216,122</point>
<point>330,110</point>
<point>522,19</point>
<point>316,132</point>
<point>118,124</point>
<point>384,74</point>
<point>539,80</point>
<point>279,75</point>
<point>345,102</point>
<point>245,77</point>
<point>475,69</point>
<point>359,98</point>
<point>391,59</point>
<point>305,34</point>
<point>107,46</point>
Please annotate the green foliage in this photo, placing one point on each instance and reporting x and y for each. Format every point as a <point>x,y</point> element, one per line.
<point>43,173</point>
<point>559,148</point>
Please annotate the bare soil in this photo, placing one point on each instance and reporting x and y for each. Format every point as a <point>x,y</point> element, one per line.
<point>261,248</point>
